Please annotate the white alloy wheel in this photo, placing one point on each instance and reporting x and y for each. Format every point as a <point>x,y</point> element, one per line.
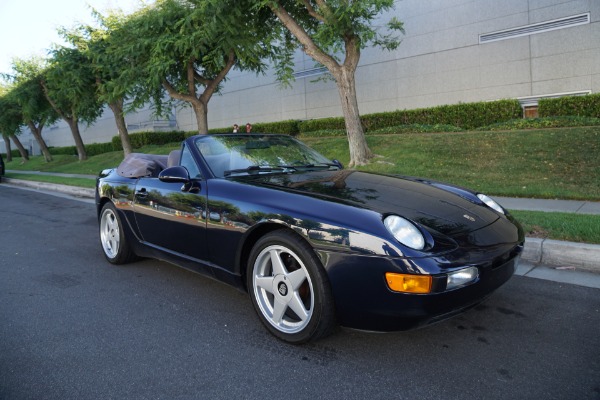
<point>289,288</point>
<point>283,289</point>
<point>112,237</point>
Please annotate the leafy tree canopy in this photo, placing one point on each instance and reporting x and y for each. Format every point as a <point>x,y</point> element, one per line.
<point>11,117</point>
<point>29,94</point>
<point>326,28</point>
<point>70,84</point>
<point>186,48</point>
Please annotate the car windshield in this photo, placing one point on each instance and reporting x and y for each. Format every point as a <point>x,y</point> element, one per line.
<point>234,155</point>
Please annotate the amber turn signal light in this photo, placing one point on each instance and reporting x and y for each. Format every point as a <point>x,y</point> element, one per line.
<point>407,283</point>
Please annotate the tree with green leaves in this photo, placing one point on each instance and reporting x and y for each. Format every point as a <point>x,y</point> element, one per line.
<point>7,145</point>
<point>11,120</point>
<point>35,108</point>
<point>69,85</point>
<point>98,43</point>
<point>182,48</point>
<point>327,30</point>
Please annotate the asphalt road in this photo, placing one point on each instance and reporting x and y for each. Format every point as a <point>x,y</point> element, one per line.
<point>73,326</point>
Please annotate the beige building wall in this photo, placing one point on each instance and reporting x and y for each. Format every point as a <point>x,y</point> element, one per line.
<point>442,60</point>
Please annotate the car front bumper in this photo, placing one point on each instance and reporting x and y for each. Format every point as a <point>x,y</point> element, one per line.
<point>364,300</point>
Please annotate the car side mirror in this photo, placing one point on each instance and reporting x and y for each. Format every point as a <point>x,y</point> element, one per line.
<point>175,174</point>
<point>337,163</point>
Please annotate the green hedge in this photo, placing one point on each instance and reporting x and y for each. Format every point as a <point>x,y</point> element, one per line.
<point>414,128</point>
<point>67,150</point>
<point>463,116</point>
<point>91,149</point>
<point>98,148</point>
<point>580,106</point>
<point>540,123</point>
<point>289,127</point>
<point>322,124</point>
<point>17,153</point>
<point>140,139</point>
<point>390,130</point>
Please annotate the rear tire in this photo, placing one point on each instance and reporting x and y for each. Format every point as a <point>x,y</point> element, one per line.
<point>289,288</point>
<point>117,249</point>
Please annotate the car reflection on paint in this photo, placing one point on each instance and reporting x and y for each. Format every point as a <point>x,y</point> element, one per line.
<point>1,167</point>
<point>314,245</point>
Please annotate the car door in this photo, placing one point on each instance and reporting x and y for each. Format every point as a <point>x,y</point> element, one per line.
<point>172,216</point>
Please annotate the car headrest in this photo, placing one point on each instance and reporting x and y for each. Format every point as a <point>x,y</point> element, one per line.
<point>174,157</point>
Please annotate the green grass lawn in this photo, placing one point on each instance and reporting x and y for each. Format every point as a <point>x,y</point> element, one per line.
<point>79,182</point>
<point>551,163</point>
<point>562,163</point>
<point>560,226</point>
<point>92,166</point>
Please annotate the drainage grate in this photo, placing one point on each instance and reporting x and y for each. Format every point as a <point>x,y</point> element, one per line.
<point>532,29</point>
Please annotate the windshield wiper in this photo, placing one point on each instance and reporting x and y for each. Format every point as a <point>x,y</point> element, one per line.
<point>258,169</point>
<point>314,166</point>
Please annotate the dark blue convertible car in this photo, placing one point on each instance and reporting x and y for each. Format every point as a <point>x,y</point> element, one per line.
<point>315,245</point>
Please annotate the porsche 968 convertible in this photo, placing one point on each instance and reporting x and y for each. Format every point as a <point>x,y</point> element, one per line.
<point>315,245</point>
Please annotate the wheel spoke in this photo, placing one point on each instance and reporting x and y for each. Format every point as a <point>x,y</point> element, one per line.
<point>264,282</point>
<point>296,278</point>
<point>278,310</point>
<point>298,307</point>
<point>111,225</point>
<point>277,263</point>
<point>115,243</point>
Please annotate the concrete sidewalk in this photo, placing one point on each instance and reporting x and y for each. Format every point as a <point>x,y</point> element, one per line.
<point>568,206</point>
<point>12,171</point>
<point>565,255</point>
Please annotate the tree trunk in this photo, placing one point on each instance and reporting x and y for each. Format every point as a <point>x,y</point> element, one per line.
<point>77,138</point>
<point>200,103</point>
<point>8,149</point>
<point>71,120</point>
<point>359,149</point>
<point>201,111</point>
<point>22,150</point>
<point>343,74</point>
<point>37,134</point>
<point>117,109</point>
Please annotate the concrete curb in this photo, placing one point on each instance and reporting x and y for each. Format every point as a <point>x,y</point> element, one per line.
<point>581,256</point>
<point>65,189</point>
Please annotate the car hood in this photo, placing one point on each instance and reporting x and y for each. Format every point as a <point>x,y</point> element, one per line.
<point>446,209</point>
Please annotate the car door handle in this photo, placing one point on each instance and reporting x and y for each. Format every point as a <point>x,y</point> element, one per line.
<point>141,192</point>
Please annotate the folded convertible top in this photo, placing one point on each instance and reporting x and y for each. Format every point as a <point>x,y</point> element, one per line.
<point>137,165</point>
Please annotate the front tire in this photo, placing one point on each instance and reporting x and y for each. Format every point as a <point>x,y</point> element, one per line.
<point>112,237</point>
<point>289,288</point>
